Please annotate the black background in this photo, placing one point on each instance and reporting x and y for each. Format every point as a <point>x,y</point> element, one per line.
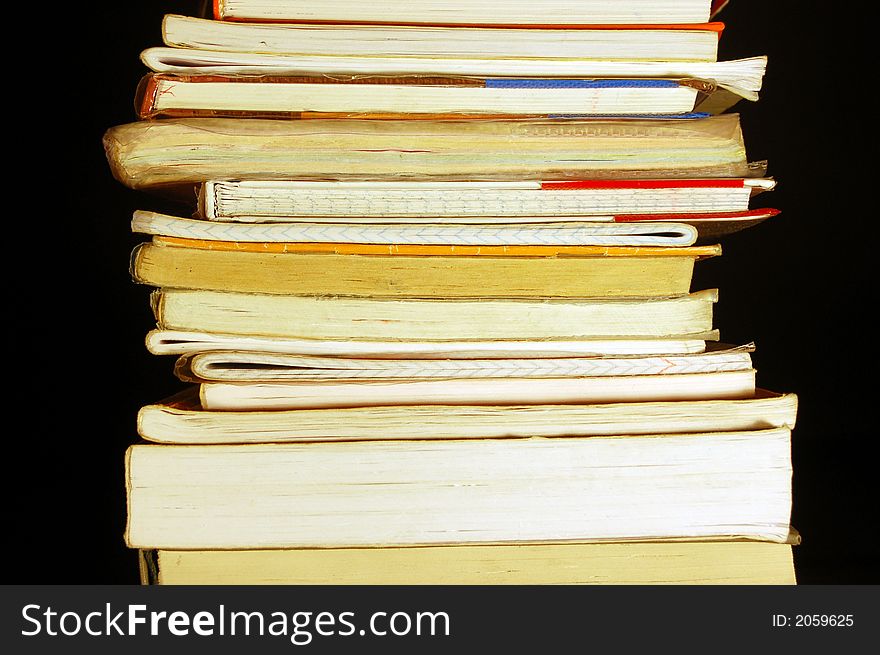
<point>798,285</point>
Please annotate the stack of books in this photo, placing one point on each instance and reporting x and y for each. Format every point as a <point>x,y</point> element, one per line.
<point>432,295</point>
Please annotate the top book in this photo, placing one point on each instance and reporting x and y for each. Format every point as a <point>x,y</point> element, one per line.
<point>469,12</point>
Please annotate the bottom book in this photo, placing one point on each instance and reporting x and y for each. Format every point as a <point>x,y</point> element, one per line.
<point>720,486</point>
<point>677,562</point>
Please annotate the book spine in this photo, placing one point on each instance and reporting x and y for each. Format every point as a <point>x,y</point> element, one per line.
<point>145,96</point>
<point>135,261</point>
<point>206,207</point>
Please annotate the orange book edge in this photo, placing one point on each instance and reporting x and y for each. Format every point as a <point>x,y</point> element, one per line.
<point>700,252</point>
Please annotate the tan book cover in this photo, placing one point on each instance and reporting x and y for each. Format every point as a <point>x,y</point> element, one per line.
<point>306,273</point>
<point>183,151</point>
<point>682,562</point>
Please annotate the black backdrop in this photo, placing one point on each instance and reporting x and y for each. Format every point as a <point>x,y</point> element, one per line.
<point>77,322</point>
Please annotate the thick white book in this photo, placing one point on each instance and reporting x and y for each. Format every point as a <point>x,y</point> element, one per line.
<point>382,493</point>
<point>656,43</point>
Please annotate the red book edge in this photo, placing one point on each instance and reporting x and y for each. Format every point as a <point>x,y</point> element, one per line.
<point>686,218</point>
<point>644,184</point>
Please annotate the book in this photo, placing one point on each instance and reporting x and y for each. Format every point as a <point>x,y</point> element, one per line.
<point>741,78</point>
<point>260,201</point>
<point>182,419</point>
<point>722,484</point>
<point>464,12</point>
<point>181,151</point>
<point>685,42</point>
<point>546,236</point>
<point>475,391</point>
<point>564,232</point>
<point>681,562</point>
<point>426,319</point>
<point>624,272</point>
<point>243,366</point>
<point>181,342</point>
<point>161,95</point>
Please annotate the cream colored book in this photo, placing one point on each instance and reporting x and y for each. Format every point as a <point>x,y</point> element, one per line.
<point>438,320</point>
<point>261,201</point>
<point>476,391</point>
<point>652,43</point>
<point>182,151</point>
<point>386,493</point>
<point>180,342</point>
<point>182,419</point>
<point>635,563</point>
<point>267,367</point>
<point>467,12</point>
<point>740,78</point>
